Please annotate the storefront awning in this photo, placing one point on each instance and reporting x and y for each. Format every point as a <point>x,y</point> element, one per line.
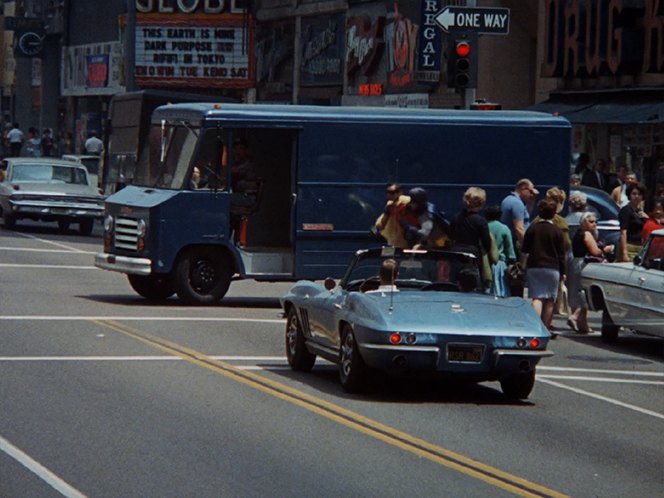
<point>610,107</point>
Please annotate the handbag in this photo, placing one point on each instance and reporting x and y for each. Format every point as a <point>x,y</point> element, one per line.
<point>516,275</point>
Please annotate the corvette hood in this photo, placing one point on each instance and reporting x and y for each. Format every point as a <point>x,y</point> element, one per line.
<point>451,312</point>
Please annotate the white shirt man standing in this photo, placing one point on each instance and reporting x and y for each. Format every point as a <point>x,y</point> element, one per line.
<point>93,145</point>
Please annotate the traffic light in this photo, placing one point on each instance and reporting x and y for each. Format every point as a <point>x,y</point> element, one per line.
<point>462,62</point>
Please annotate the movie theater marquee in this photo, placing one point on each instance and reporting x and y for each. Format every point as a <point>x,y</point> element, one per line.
<point>193,43</point>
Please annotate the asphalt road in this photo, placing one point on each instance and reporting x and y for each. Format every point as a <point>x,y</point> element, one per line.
<point>103,393</point>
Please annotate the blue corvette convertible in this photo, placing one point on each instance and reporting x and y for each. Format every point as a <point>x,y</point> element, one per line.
<point>424,323</point>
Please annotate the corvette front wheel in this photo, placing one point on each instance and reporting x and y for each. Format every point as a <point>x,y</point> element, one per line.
<point>299,358</point>
<point>352,369</point>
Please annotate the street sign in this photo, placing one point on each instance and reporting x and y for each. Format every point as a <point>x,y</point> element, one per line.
<point>487,20</point>
<point>23,23</point>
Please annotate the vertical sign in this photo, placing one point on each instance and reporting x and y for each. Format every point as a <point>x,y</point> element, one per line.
<point>429,53</point>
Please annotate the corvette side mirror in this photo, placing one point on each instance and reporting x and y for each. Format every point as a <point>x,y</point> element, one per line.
<point>329,283</point>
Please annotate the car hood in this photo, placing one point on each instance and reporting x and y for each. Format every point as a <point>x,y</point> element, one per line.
<point>454,312</point>
<point>54,189</point>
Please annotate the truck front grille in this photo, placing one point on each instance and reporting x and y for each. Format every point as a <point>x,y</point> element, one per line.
<point>126,234</point>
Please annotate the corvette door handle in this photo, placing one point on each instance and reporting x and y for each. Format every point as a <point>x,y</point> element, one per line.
<point>337,306</point>
<point>642,280</point>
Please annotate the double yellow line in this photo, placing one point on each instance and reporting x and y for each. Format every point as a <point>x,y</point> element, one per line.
<point>348,418</point>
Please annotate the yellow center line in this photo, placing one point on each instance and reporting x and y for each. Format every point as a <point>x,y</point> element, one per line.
<point>491,475</point>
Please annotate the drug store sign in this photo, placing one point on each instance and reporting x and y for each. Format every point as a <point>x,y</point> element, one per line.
<point>181,51</point>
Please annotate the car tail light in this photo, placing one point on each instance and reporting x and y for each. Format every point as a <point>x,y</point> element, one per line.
<point>395,338</point>
<point>534,343</point>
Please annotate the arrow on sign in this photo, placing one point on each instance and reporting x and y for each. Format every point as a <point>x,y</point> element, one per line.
<point>445,19</point>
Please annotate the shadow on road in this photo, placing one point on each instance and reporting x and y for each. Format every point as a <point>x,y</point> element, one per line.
<point>227,302</point>
<point>384,389</point>
<point>640,349</point>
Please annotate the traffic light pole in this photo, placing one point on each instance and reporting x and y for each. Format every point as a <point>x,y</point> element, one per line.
<point>468,95</point>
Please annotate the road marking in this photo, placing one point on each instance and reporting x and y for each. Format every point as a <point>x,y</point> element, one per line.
<point>136,358</point>
<point>597,371</point>
<point>56,244</point>
<point>143,318</point>
<point>603,398</point>
<point>66,267</point>
<point>50,251</point>
<point>348,418</point>
<point>39,470</point>
<point>603,379</point>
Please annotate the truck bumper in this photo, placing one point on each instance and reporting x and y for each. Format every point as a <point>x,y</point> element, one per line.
<point>123,264</point>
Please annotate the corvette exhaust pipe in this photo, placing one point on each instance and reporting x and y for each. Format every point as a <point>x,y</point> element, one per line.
<point>400,361</point>
<point>524,366</point>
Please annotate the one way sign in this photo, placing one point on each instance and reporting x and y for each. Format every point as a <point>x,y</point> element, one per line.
<point>488,20</point>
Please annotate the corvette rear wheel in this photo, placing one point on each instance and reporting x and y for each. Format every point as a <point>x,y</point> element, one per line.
<point>299,358</point>
<point>352,369</point>
<point>609,329</point>
<point>519,385</point>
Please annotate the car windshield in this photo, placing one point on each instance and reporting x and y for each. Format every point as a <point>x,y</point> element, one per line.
<point>46,173</point>
<point>417,269</point>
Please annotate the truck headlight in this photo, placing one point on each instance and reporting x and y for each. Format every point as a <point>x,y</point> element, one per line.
<point>108,223</point>
<point>141,231</point>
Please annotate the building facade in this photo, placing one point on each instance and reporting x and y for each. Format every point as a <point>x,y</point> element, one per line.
<point>600,63</point>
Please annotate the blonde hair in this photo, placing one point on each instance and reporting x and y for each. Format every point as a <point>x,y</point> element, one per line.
<point>556,194</point>
<point>474,199</point>
<point>578,199</point>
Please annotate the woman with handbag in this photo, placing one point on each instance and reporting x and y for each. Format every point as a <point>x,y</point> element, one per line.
<point>585,249</point>
<point>544,244</point>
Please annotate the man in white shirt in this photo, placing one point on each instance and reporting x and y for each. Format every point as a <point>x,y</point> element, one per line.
<point>15,137</point>
<point>93,145</point>
<point>388,273</point>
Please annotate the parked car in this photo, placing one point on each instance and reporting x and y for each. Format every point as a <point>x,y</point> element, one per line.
<point>91,163</point>
<point>427,326</point>
<point>629,295</point>
<point>48,190</point>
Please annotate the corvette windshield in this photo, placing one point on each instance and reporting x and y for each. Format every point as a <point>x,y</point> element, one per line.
<point>416,268</point>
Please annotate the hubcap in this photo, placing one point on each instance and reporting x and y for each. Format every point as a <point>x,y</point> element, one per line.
<point>347,354</point>
<point>291,334</point>
<point>203,275</point>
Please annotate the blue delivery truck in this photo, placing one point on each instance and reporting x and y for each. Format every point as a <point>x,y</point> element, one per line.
<point>318,175</point>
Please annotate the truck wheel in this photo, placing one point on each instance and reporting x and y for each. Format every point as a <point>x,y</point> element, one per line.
<point>9,221</point>
<point>202,275</point>
<point>519,385</point>
<point>299,358</point>
<point>63,225</point>
<point>152,286</point>
<point>609,329</point>
<point>85,226</point>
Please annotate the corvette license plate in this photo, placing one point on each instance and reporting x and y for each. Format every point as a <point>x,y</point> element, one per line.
<point>465,353</point>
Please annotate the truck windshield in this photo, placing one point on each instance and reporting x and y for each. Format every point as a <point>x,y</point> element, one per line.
<point>171,149</point>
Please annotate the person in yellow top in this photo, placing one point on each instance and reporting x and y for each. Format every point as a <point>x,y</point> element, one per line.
<point>388,223</point>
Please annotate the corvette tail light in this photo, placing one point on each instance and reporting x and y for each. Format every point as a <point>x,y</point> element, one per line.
<point>395,338</point>
<point>534,343</point>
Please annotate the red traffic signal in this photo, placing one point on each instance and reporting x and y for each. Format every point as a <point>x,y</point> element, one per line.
<point>462,48</point>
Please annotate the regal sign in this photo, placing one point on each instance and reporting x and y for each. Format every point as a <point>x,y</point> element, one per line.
<point>591,38</point>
